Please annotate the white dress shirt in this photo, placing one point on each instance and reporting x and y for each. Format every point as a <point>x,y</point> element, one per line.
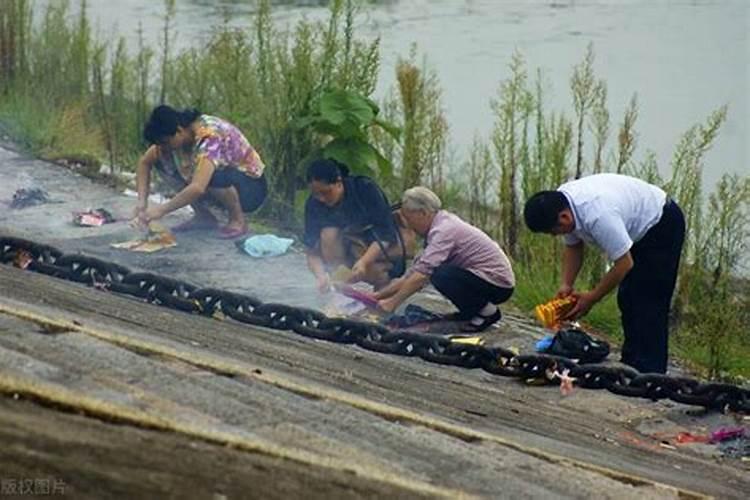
<point>612,211</point>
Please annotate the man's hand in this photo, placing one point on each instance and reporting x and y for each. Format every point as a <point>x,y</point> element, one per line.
<point>584,302</point>
<point>564,291</point>
<point>324,283</point>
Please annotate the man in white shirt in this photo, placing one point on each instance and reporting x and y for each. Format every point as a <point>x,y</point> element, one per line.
<point>641,231</point>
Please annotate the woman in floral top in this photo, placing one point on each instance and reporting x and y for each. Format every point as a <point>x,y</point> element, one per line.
<point>201,156</point>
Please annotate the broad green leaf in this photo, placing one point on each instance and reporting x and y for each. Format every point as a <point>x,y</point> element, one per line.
<point>359,156</point>
<point>340,106</point>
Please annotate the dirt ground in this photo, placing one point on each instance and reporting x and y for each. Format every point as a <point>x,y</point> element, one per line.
<point>115,398</point>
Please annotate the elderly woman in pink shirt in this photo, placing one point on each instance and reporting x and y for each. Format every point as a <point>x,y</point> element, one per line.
<point>460,260</point>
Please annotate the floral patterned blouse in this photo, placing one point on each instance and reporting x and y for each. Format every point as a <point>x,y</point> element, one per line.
<point>219,142</point>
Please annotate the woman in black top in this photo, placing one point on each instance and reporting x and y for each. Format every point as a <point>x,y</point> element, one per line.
<point>348,221</point>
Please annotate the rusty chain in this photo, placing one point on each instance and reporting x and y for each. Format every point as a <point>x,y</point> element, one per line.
<point>186,297</point>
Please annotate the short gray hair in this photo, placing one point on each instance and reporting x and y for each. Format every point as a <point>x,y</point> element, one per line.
<point>420,198</point>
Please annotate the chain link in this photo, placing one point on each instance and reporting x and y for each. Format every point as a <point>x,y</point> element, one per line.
<point>183,296</point>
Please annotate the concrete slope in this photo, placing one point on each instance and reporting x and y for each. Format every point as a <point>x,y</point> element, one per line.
<point>402,421</point>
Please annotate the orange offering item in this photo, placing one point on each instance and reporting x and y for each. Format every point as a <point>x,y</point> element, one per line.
<point>157,238</point>
<point>551,313</point>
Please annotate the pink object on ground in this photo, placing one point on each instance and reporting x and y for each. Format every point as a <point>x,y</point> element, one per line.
<point>359,295</point>
<point>726,433</point>
<point>93,218</point>
<point>566,382</point>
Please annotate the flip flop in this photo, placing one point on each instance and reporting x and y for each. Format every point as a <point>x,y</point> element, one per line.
<point>226,233</point>
<point>487,321</point>
<point>190,225</point>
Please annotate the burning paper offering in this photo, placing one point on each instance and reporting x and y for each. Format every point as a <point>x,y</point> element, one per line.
<point>352,301</point>
<point>157,238</point>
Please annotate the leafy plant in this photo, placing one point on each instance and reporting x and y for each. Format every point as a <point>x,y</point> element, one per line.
<point>344,117</point>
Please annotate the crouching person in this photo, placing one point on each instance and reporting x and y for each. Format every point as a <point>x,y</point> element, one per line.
<point>349,222</point>
<point>206,160</point>
<point>460,260</point>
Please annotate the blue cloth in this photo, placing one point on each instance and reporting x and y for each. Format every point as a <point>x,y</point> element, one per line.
<point>544,344</point>
<point>266,245</point>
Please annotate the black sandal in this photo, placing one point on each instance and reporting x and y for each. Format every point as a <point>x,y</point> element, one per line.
<point>487,321</point>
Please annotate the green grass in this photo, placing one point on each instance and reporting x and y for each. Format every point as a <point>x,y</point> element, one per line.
<point>736,361</point>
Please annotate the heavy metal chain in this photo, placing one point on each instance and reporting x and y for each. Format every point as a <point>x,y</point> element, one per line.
<point>310,323</point>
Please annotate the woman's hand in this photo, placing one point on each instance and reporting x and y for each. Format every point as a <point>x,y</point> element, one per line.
<point>324,283</point>
<point>139,218</point>
<point>359,271</point>
<point>143,215</point>
<point>154,212</point>
<point>388,305</point>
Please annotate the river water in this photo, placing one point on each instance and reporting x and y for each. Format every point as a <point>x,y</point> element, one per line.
<point>684,58</point>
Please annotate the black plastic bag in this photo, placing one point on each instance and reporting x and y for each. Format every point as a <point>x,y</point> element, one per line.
<point>576,344</point>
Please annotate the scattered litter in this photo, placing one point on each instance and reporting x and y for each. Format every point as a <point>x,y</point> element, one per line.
<point>458,339</point>
<point>667,446</point>
<point>739,447</point>
<point>686,438</point>
<point>92,218</point>
<point>158,238</point>
<point>544,344</point>
<point>726,433</point>
<point>265,245</point>
<point>22,259</point>
<point>101,286</point>
<point>732,442</point>
<point>413,315</point>
<point>30,197</point>
<point>566,382</point>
